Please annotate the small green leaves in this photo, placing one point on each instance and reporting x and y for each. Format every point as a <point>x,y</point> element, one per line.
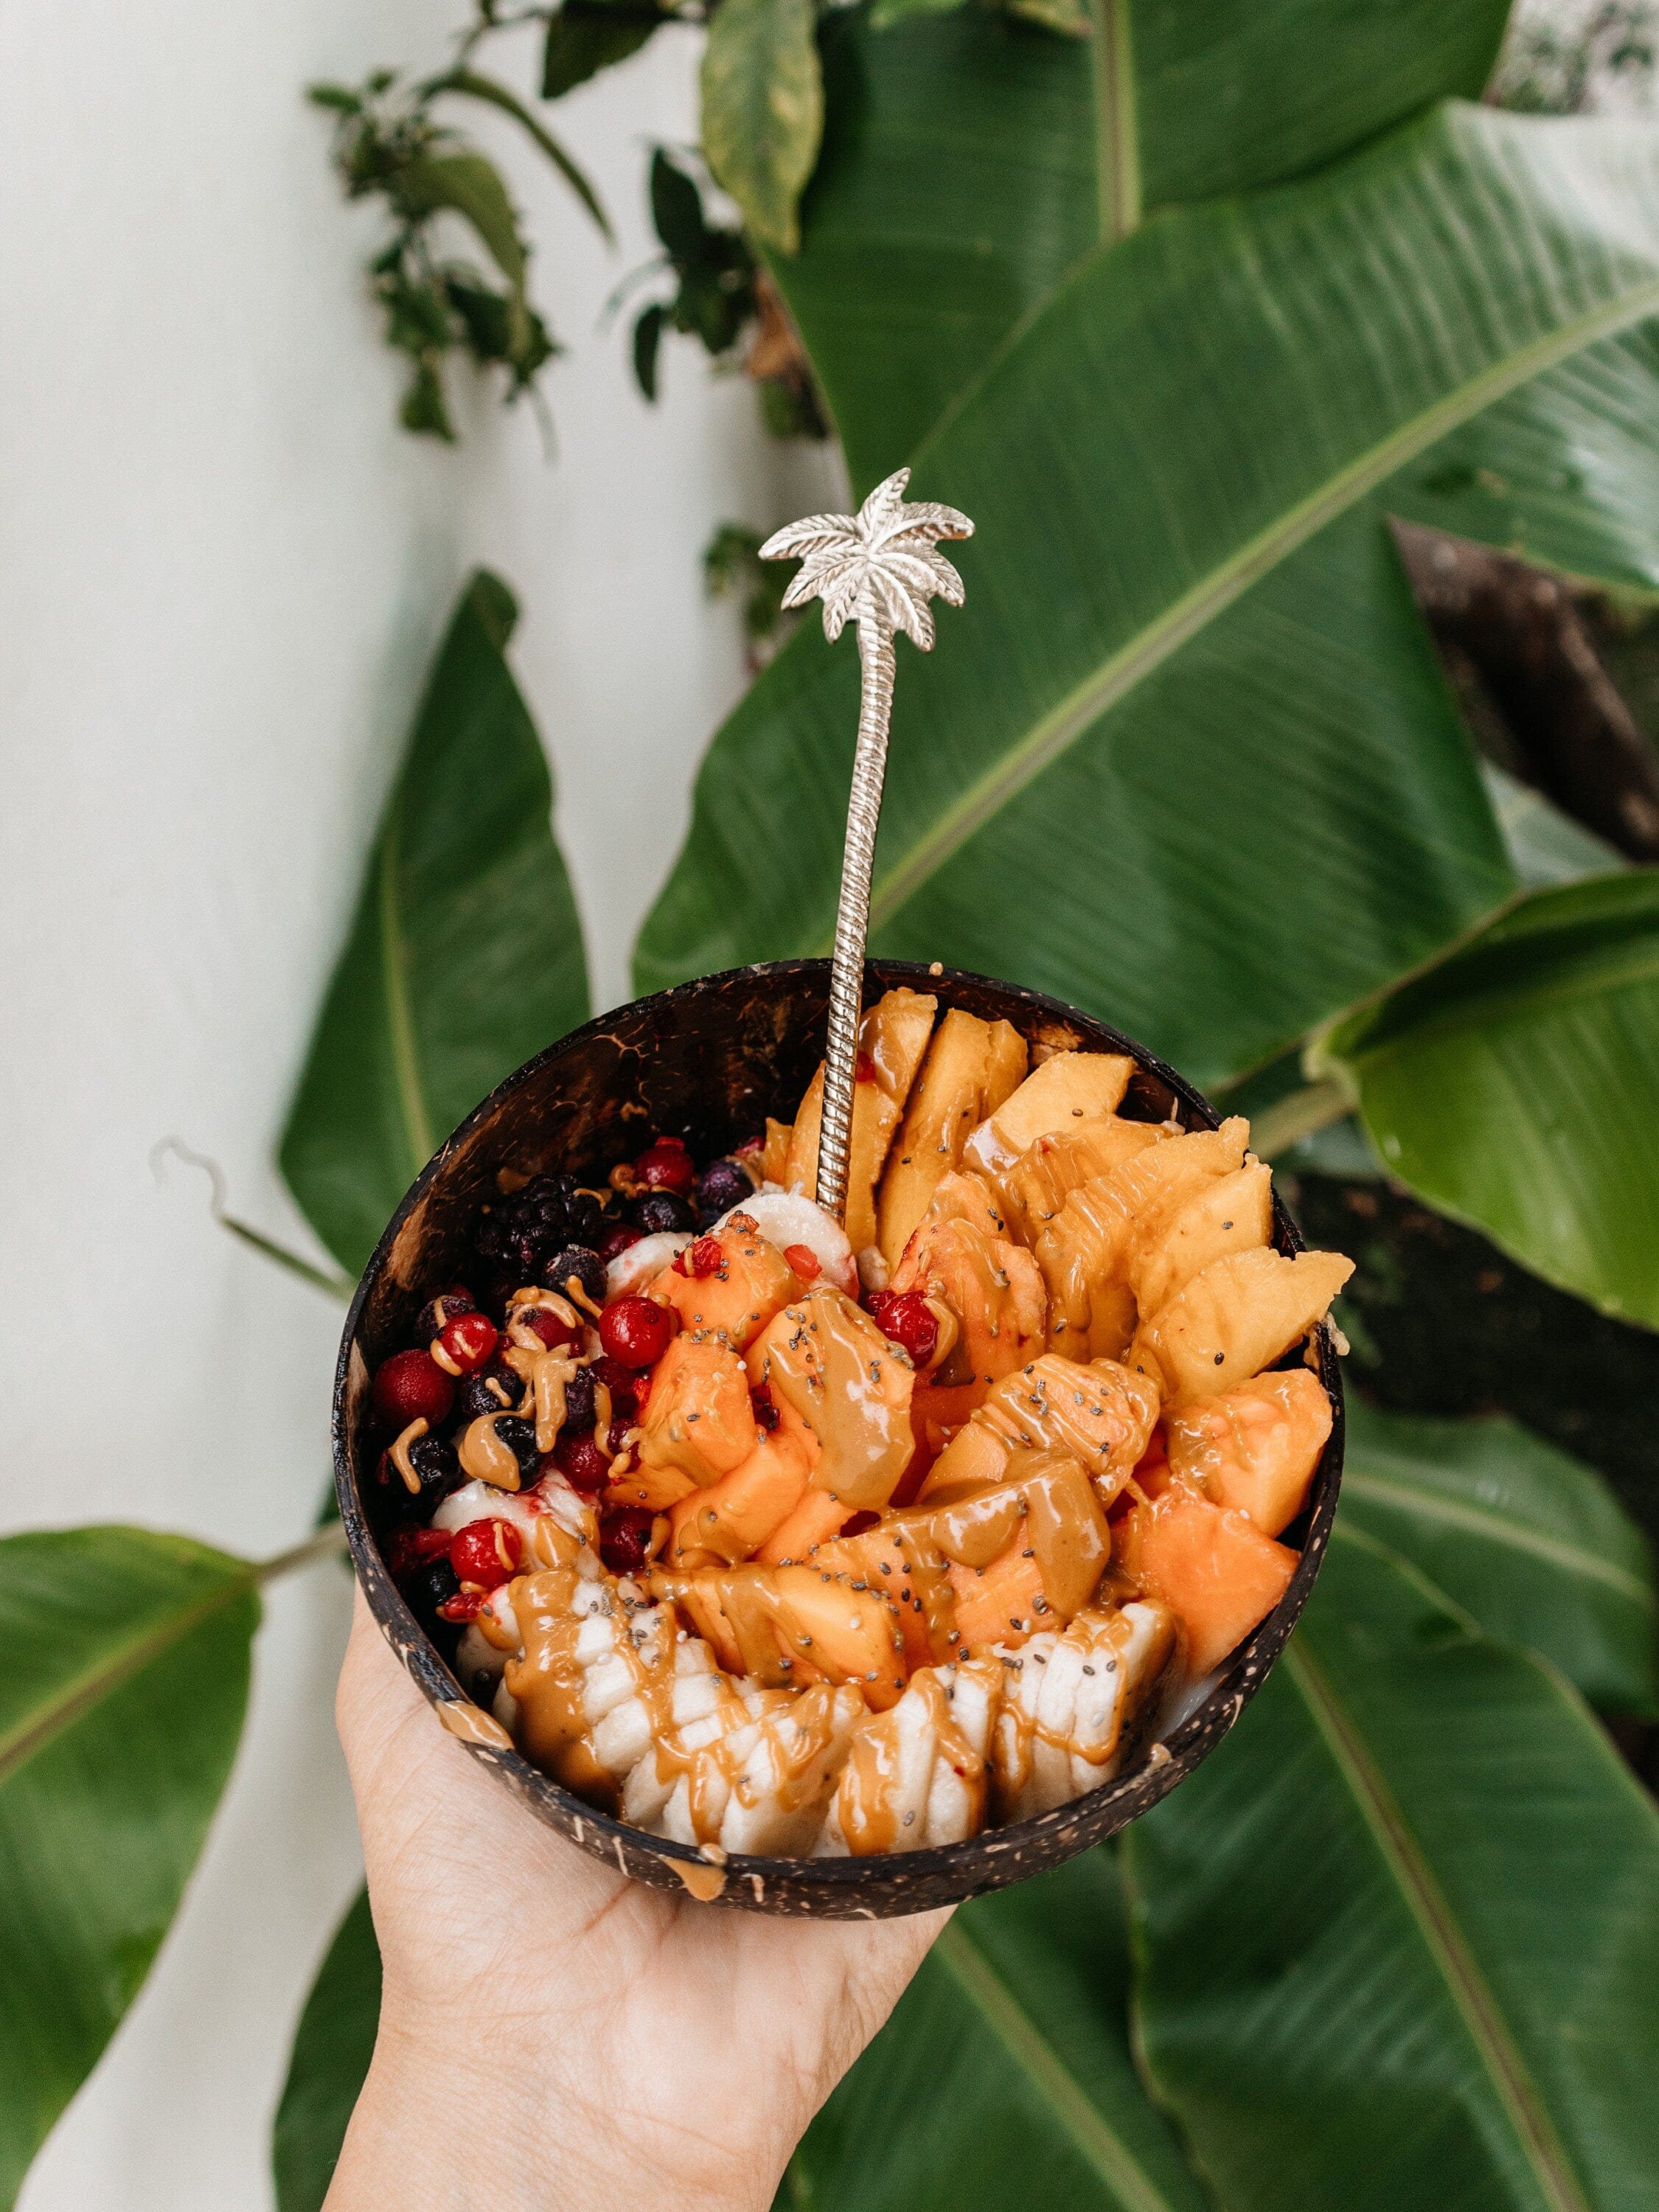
<point>332,2047</point>
<point>581,40</point>
<point>472,85</point>
<point>123,1678</point>
<point>733,568</point>
<point>762,110</point>
<point>465,955</point>
<point>1513,1085</point>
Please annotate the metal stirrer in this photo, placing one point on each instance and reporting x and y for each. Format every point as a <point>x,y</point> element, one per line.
<point>879,569</point>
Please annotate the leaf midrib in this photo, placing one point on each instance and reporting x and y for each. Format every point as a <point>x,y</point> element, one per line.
<point>399,1014</point>
<point>1470,1008</point>
<point>67,1704</point>
<point>1499,1528</point>
<point>1442,1939</point>
<point>1099,2144</point>
<point>1146,651</point>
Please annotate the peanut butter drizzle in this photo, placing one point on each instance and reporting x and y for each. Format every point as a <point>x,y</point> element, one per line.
<point>868,1789</point>
<point>1018,1731</point>
<point>1102,1414</point>
<point>484,1456</point>
<point>830,1361</point>
<point>465,1720</point>
<point>745,1613</point>
<point>401,1460</point>
<point>704,1882</point>
<point>1049,1491</point>
<point>546,1679</point>
<point>546,1371</point>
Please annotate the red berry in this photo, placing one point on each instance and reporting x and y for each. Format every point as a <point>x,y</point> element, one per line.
<point>907,1320</point>
<point>625,1538</point>
<point>552,1328</point>
<point>469,1339</point>
<point>703,1258</point>
<point>581,1462</point>
<point>804,1262</point>
<point>864,1069</point>
<point>410,1385</point>
<point>618,1240</point>
<point>466,1605</point>
<point>635,1331</point>
<point>411,1547</point>
<point>487,1553</point>
<point>764,1406</point>
<point>665,1165</point>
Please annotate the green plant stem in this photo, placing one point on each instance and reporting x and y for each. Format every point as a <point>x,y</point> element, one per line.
<point>327,1543</point>
<point>1300,1113</point>
<point>1117,136</point>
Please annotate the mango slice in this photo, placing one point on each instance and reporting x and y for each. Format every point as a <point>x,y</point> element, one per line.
<point>892,1040</point>
<point>972,1067</point>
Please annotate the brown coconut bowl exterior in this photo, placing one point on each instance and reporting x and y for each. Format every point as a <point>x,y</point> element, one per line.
<point>708,1061</point>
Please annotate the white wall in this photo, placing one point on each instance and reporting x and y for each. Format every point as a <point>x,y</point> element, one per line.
<point>221,568</point>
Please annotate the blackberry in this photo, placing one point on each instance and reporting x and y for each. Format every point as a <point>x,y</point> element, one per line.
<point>439,1471</point>
<point>724,1183</point>
<point>654,1210</point>
<point>520,1235</point>
<point>436,1312</point>
<point>428,1588</point>
<point>585,1264</point>
<point>579,1401</point>
<point>476,1397</point>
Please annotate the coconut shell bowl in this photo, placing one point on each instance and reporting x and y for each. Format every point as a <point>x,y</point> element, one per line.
<point>708,1061</point>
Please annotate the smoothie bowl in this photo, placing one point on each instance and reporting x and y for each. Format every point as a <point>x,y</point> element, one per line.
<point>840,1568</point>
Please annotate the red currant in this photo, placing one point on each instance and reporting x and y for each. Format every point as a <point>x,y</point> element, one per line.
<point>411,1547</point>
<point>466,1605</point>
<point>616,1241</point>
<point>581,1462</point>
<point>487,1553</point>
<point>665,1165</point>
<point>804,1262</point>
<point>552,1328</point>
<point>625,1538</point>
<point>469,1339</point>
<point>636,1331</point>
<point>410,1385</point>
<point>907,1320</point>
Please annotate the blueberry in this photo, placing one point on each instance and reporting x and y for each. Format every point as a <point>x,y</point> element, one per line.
<point>654,1210</point>
<point>429,1587</point>
<point>483,1391</point>
<point>585,1264</point>
<point>429,1321</point>
<point>519,1438</point>
<point>725,1184</point>
<point>440,1472</point>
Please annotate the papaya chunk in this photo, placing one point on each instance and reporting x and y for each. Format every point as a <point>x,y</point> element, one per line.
<point>1211,1565</point>
<point>892,1040</point>
<point>696,1418</point>
<point>1230,1321</point>
<point>1255,1447</point>
<point>826,1358</point>
<point>1068,1087</point>
<point>815,1520</point>
<point>972,1067</point>
<point>729,1521</point>
<point>1002,1603</point>
<point>1084,1252</point>
<point>1103,1414</point>
<point>733,1301</point>
<point>899,1559</point>
<point>992,1290</point>
<point>788,1625</point>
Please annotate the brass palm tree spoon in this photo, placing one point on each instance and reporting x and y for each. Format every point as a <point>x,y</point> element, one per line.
<point>879,569</point>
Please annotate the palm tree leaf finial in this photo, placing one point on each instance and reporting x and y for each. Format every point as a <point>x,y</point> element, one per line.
<point>881,569</point>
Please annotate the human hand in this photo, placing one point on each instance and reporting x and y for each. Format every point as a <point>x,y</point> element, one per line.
<point>553,2034</point>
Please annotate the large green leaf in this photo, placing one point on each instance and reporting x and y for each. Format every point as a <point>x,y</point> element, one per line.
<point>333,2047</point>
<point>763,109</point>
<point>123,1679</point>
<point>1533,1546</point>
<point>1191,697</point>
<point>956,187</point>
<point>1514,1084</point>
<point>466,954</point>
<point>958,180</point>
<point>1400,1934</point>
<point>1004,2078</point>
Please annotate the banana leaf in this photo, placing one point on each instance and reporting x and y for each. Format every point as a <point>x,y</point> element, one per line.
<point>960,178</point>
<point>465,953</point>
<point>333,2047</point>
<point>1004,2076</point>
<point>1532,1545</point>
<point>1399,1936</point>
<point>1513,1085</point>
<point>124,1681</point>
<point>1195,702</point>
